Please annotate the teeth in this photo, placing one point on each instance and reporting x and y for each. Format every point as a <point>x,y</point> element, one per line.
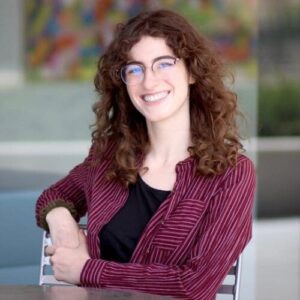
<point>155,97</point>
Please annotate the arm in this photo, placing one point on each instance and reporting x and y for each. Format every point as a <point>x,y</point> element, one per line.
<point>60,207</point>
<point>63,228</point>
<point>223,235</point>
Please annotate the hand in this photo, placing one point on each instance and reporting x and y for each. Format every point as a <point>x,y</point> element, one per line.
<point>63,228</point>
<point>67,263</point>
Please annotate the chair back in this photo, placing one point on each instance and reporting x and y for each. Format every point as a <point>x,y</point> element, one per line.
<point>231,284</point>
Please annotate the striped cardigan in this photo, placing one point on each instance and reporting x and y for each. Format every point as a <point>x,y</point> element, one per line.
<point>187,247</point>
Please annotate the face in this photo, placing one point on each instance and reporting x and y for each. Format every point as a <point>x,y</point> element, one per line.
<point>162,93</point>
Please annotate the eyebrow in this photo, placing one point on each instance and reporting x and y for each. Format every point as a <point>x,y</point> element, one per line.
<point>153,61</point>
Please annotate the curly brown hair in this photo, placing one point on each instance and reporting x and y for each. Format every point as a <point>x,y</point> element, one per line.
<point>213,107</point>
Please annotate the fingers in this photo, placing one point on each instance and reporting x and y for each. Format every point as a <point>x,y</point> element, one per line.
<point>49,250</point>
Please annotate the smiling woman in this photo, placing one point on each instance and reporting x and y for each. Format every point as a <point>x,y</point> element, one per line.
<point>168,194</point>
<point>162,92</point>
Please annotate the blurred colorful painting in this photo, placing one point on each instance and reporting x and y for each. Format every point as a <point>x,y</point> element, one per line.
<point>64,38</point>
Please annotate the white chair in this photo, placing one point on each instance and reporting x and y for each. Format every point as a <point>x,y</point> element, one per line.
<point>230,286</point>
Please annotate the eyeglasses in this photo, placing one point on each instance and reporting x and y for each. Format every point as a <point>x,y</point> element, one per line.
<point>134,72</point>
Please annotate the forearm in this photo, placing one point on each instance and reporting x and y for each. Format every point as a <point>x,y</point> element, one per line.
<point>184,282</point>
<point>154,278</point>
<point>63,228</point>
<point>62,194</point>
<point>68,192</point>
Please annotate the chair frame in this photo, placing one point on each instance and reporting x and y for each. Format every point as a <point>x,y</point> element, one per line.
<point>233,289</point>
<point>225,289</point>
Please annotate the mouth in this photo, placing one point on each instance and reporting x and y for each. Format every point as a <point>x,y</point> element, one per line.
<point>151,98</point>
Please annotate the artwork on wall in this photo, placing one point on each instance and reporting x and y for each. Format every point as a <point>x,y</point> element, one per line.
<point>64,38</point>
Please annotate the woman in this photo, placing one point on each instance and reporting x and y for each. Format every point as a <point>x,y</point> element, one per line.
<point>168,195</point>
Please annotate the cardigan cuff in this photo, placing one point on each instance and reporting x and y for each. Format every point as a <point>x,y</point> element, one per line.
<point>53,204</point>
<point>91,273</point>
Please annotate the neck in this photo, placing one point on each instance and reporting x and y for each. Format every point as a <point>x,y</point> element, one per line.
<point>169,141</point>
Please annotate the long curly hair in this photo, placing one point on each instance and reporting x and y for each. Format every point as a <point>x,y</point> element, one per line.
<point>213,106</point>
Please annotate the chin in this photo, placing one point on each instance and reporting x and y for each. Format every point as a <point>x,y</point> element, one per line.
<point>156,119</point>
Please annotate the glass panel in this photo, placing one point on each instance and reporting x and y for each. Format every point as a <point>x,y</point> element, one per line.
<point>278,209</point>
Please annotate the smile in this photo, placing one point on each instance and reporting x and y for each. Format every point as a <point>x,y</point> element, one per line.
<point>155,97</point>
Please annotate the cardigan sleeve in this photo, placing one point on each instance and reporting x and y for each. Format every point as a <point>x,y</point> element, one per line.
<point>68,192</point>
<point>226,230</point>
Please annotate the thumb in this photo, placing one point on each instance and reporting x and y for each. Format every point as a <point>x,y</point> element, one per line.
<point>49,250</point>
<point>82,239</point>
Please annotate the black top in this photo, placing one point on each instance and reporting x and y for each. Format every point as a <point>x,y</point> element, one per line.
<point>119,237</point>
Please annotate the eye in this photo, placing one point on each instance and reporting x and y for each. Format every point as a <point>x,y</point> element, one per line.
<point>164,64</point>
<point>133,70</point>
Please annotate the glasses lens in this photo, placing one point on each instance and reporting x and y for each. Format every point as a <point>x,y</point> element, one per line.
<point>164,65</point>
<point>132,73</point>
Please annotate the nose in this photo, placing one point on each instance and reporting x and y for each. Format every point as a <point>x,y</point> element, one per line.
<point>150,79</point>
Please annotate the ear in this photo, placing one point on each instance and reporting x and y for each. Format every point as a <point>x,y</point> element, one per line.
<point>191,79</point>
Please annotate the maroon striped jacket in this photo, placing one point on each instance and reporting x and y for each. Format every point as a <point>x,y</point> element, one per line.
<point>189,244</point>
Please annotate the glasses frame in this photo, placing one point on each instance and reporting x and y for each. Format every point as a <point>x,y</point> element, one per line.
<point>176,59</point>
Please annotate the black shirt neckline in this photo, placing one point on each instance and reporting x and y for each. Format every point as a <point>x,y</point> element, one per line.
<point>150,188</point>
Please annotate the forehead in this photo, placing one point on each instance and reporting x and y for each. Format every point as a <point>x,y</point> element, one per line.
<point>148,48</point>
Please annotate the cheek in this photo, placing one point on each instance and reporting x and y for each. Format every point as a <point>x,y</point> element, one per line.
<point>180,84</point>
<point>130,92</point>
<point>180,78</point>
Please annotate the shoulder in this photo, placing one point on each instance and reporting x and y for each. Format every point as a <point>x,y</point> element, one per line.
<point>244,166</point>
<point>242,174</point>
